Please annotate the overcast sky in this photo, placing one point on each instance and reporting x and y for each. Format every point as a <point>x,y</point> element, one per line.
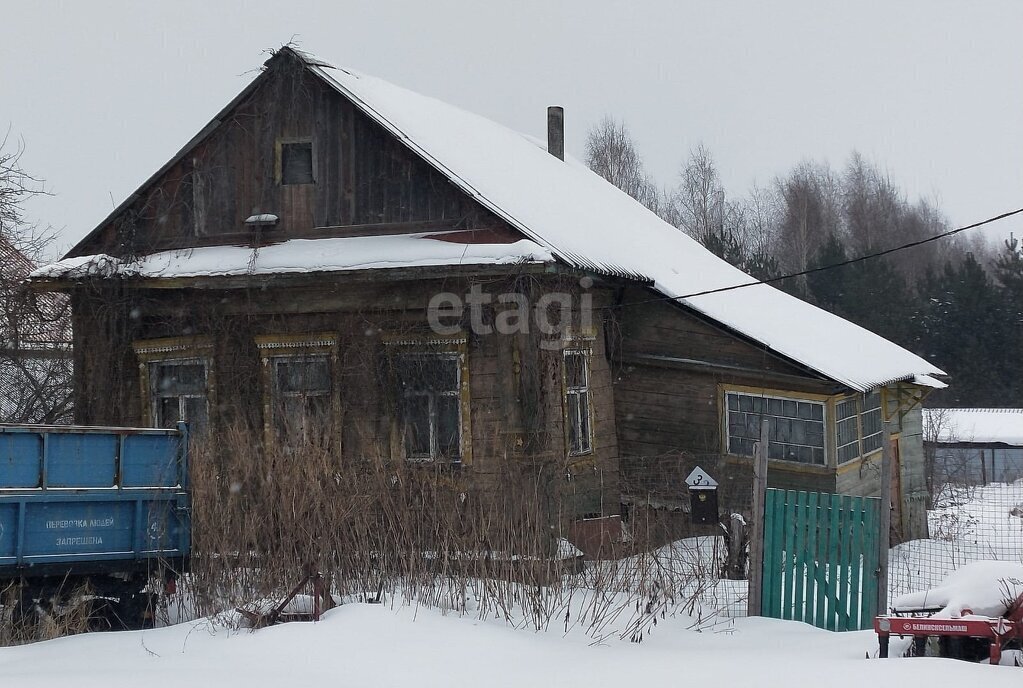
<point>104,93</point>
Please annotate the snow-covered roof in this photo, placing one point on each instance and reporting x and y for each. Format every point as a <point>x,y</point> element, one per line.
<point>977,425</point>
<point>302,256</point>
<point>587,223</point>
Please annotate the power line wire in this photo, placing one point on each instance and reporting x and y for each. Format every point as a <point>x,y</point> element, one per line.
<point>831,266</point>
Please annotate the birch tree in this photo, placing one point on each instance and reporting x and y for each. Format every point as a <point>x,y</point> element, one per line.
<point>611,153</point>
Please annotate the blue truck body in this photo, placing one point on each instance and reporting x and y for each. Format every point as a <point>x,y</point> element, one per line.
<point>76,501</point>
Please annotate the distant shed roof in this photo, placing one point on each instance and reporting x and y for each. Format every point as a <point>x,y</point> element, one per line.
<point>974,425</point>
<point>587,223</point>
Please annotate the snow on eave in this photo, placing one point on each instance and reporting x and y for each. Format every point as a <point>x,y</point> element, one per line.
<point>929,381</point>
<point>299,256</point>
<point>262,218</point>
<point>589,224</point>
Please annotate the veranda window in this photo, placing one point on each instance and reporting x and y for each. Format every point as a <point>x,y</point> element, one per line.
<point>860,429</point>
<point>795,427</point>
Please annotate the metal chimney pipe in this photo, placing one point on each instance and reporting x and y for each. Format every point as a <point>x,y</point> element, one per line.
<point>556,131</point>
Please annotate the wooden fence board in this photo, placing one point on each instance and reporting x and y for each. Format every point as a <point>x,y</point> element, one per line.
<point>855,581</point>
<point>820,558</point>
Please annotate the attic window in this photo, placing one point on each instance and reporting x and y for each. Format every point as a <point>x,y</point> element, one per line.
<point>296,161</point>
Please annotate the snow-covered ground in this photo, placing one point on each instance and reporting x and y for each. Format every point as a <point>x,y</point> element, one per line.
<point>375,645</point>
<point>700,642</point>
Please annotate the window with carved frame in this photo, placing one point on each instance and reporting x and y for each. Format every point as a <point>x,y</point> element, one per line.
<point>175,381</point>
<point>429,379</point>
<point>300,399</point>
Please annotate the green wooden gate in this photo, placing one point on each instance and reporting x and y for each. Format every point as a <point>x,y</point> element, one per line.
<point>821,558</point>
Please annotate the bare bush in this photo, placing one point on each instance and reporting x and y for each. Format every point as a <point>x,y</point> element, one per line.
<point>420,534</point>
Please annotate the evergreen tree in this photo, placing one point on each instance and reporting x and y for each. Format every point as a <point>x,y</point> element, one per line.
<point>828,288</point>
<point>966,335</point>
<point>1008,269</point>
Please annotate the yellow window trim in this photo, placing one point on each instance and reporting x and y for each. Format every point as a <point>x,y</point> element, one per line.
<point>783,465</point>
<point>869,457</point>
<point>272,346</point>
<point>830,424</point>
<point>790,395</point>
<point>149,351</point>
<point>775,392</point>
<point>456,344</point>
<point>859,397</point>
<point>279,155</point>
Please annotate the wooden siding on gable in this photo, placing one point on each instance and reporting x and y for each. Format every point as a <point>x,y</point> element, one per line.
<point>362,176</point>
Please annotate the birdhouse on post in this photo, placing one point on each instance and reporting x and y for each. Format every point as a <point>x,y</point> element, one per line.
<point>703,497</point>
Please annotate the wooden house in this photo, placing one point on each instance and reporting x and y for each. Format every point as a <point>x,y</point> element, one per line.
<point>338,259</point>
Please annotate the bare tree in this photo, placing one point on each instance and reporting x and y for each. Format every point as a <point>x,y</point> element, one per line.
<point>762,219</point>
<point>872,206</point>
<point>811,212</point>
<point>35,338</point>
<point>611,153</point>
<point>699,201</point>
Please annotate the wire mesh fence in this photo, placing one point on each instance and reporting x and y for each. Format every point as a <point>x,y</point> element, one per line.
<point>969,521</point>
